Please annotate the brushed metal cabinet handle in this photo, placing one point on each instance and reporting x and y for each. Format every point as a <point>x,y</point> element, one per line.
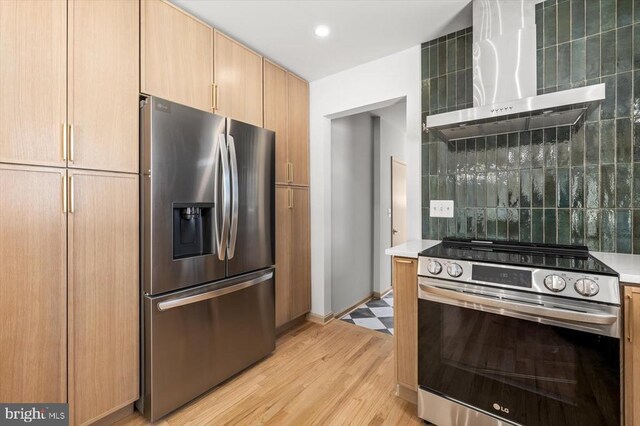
<point>72,143</point>
<point>64,142</point>
<point>213,97</point>
<point>72,200</point>
<point>629,319</point>
<point>64,193</point>
<point>404,261</point>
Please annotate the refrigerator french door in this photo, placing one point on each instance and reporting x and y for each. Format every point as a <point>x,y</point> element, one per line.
<point>208,250</point>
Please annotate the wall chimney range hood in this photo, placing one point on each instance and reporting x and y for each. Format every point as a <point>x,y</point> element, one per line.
<point>504,79</point>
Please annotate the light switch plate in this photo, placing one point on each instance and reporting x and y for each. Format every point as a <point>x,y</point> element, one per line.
<point>441,208</point>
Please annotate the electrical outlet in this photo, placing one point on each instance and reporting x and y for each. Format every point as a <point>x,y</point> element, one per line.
<point>441,208</point>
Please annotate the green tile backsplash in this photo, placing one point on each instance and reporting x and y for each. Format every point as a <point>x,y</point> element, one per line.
<point>568,185</point>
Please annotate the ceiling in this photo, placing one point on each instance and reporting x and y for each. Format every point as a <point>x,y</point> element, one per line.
<point>361,30</point>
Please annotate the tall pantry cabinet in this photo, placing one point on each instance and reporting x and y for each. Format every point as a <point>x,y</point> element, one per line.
<point>286,99</point>
<point>69,204</point>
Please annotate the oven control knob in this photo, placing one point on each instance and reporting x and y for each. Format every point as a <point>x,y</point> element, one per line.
<point>554,283</point>
<point>587,287</point>
<point>454,270</point>
<point>434,267</point>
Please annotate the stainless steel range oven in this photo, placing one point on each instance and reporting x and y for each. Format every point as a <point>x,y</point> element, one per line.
<point>512,333</point>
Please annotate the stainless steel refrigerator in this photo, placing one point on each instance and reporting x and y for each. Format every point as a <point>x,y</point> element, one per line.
<point>208,249</point>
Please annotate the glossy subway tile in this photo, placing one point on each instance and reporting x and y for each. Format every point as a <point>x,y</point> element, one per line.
<point>607,186</point>
<point>577,18</point>
<point>525,225</point>
<point>577,188</point>
<point>550,226</point>
<point>564,226</point>
<point>624,182</point>
<point>592,17</point>
<point>608,230</point>
<point>624,226</point>
<point>577,227</point>
<point>607,14</point>
<point>513,224</point>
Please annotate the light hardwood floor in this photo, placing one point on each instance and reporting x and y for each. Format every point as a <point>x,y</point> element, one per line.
<point>338,374</point>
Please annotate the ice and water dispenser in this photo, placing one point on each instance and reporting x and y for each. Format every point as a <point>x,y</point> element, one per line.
<point>192,229</point>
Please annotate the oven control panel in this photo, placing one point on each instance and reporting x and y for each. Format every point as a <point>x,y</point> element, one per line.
<point>594,287</point>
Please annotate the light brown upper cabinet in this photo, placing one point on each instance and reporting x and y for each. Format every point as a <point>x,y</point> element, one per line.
<point>103,293</point>
<point>293,254</point>
<point>33,54</point>
<point>298,129</point>
<point>632,355</point>
<point>286,111</point>
<point>275,114</point>
<point>176,55</point>
<point>103,85</point>
<point>33,284</point>
<point>89,121</point>
<point>238,81</point>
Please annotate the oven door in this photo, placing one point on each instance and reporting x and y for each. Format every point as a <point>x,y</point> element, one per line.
<point>516,357</point>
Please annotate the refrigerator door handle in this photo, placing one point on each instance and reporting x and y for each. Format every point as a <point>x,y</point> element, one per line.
<point>234,197</point>
<point>175,303</point>
<point>222,208</point>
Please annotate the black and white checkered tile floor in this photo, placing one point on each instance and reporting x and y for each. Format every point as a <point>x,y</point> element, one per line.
<point>376,314</point>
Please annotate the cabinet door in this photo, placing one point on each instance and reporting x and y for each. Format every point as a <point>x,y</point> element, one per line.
<point>33,81</point>
<point>632,355</point>
<point>33,285</point>
<point>238,76</point>
<point>275,114</point>
<point>103,293</point>
<point>103,84</point>
<point>283,255</point>
<point>300,253</point>
<point>405,294</point>
<point>298,125</point>
<point>176,55</point>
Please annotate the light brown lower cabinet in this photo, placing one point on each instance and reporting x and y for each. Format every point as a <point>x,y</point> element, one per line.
<point>33,285</point>
<point>293,254</point>
<point>405,299</point>
<point>69,286</point>
<point>103,293</point>
<point>632,355</point>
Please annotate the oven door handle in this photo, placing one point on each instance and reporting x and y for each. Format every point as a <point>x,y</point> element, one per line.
<point>479,302</point>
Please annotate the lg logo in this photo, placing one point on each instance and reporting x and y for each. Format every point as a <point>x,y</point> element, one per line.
<point>500,408</point>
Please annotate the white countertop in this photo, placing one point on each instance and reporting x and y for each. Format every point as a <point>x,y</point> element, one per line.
<point>627,265</point>
<point>411,248</point>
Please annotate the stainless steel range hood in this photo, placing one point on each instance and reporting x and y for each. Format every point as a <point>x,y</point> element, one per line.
<point>504,79</point>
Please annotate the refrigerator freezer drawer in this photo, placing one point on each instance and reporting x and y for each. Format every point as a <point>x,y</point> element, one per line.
<point>195,339</point>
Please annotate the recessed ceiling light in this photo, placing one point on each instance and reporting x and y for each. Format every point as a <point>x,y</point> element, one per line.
<point>322,31</point>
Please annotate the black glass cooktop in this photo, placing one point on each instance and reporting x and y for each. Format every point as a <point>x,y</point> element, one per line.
<point>547,256</point>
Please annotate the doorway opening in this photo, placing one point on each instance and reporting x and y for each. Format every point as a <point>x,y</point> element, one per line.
<point>367,149</point>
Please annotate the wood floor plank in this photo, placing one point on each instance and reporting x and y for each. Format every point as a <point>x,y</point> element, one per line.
<point>337,374</point>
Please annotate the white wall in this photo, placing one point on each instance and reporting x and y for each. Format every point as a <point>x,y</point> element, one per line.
<point>391,126</point>
<point>351,210</point>
<point>362,88</point>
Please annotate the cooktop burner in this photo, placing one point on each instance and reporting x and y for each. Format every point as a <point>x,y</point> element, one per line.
<point>547,256</point>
